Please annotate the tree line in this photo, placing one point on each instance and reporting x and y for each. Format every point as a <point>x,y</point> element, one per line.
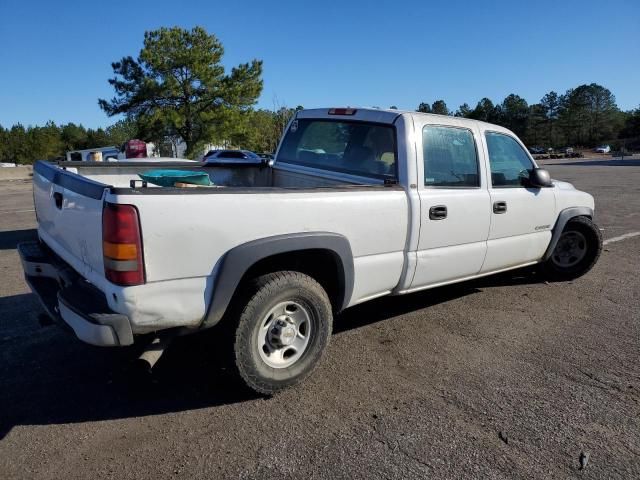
<point>258,130</point>
<point>583,116</point>
<point>23,145</point>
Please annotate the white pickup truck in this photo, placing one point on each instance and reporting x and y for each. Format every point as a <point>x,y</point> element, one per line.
<point>358,203</point>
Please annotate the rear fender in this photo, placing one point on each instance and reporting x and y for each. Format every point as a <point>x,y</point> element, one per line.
<point>240,259</point>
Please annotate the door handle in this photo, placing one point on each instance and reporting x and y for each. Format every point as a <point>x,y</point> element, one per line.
<point>500,207</point>
<point>438,212</point>
<point>57,198</point>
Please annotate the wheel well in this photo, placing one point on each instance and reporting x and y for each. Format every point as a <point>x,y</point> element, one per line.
<point>324,266</point>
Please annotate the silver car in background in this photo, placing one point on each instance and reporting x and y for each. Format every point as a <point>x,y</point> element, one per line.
<point>232,156</point>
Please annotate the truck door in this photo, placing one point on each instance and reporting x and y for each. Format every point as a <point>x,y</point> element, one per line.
<point>521,216</point>
<point>454,201</point>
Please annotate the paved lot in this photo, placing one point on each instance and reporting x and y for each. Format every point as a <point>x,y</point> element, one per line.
<point>412,387</point>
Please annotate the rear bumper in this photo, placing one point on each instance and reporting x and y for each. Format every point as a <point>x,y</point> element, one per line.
<point>71,300</point>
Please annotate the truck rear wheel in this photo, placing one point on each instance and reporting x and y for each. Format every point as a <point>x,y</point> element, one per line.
<point>577,250</point>
<point>282,331</point>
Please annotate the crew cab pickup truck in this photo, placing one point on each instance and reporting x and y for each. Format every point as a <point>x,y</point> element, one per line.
<point>357,204</point>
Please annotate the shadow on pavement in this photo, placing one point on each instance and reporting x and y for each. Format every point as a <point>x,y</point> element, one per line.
<point>11,238</point>
<point>49,377</point>
<point>388,307</point>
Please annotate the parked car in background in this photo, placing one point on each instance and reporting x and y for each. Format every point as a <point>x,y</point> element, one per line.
<point>232,156</point>
<point>564,150</point>
<point>603,149</point>
<point>537,150</point>
<point>208,154</point>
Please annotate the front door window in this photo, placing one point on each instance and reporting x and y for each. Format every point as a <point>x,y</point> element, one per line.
<point>510,164</point>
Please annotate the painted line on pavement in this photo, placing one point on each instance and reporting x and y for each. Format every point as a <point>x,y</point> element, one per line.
<point>16,211</point>
<point>621,237</point>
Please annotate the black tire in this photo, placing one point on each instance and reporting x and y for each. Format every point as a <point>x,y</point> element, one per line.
<point>590,234</point>
<point>264,294</point>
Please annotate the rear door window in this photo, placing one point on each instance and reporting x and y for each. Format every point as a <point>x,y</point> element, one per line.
<point>450,157</point>
<point>357,148</point>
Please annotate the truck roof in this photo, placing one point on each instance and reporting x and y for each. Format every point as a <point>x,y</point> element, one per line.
<point>382,115</point>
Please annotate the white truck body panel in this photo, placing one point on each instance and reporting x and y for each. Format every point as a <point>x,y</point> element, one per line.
<point>456,247</point>
<point>185,238</point>
<point>73,231</point>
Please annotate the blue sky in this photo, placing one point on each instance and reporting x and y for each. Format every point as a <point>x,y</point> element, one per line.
<point>55,56</point>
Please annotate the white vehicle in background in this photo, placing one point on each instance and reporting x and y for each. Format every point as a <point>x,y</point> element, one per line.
<point>603,149</point>
<point>103,154</point>
<point>130,150</point>
<point>357,204</point>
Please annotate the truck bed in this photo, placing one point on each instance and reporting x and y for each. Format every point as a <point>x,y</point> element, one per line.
<point>120,175</point>
<point>187,231</point>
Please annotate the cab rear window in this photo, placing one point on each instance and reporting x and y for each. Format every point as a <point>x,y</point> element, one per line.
<point>357,148</point>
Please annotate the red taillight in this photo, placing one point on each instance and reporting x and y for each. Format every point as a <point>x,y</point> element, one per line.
<point>342,111</point>
<point>122,245</point>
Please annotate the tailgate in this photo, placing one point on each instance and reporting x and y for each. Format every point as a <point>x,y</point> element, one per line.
<point>69,212</point>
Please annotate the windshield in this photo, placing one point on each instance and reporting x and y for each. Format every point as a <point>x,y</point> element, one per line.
<point>356,148</point>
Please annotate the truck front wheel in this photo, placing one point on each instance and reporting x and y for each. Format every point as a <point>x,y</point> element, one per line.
<point>577,250</point>
<point>282,331</point>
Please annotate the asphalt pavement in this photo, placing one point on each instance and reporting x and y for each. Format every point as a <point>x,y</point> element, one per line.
<point>504,377</point>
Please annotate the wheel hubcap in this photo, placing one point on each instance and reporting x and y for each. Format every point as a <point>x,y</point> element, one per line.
<point>284,334</point>
<point>571,249</point>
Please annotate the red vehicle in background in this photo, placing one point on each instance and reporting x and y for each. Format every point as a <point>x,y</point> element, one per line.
<point>135,149</point>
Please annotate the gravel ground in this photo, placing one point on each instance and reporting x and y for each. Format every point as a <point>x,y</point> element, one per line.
<point>505,377</point>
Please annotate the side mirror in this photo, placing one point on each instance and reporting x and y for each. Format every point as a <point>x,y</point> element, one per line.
<point>539,177</point>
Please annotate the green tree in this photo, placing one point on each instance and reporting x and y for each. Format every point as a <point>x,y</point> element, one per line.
<point>515,114</point>
<point>18,147</point>
<point>464,110</point>
<point>440,107</point>
<point>44,142</point>
<point>74,137</point>
<point>122,131</point>
<point>536,133</point>
<point>178,84</point>
<point>631,126</point>
<point>260,131</point>
<point>589,114</point>
<point>4,139</point>
<point>486,111</point>
<point>424,108</point>
<point>551,105</point>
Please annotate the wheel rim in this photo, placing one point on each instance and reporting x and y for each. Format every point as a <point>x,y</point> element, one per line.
<point>571,249</point>
<point>284,334</point>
